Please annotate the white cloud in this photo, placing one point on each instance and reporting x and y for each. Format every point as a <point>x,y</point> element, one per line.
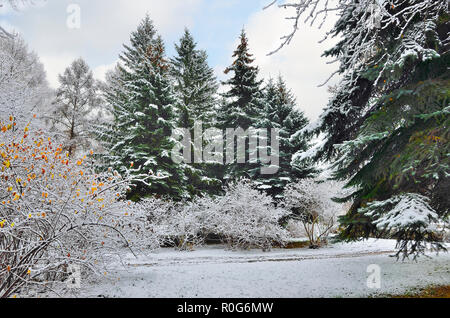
<point>169,15</point>
<point>55,65</point>
<point>105,25</point>
<point>100,71</point>
<point>300,63</point>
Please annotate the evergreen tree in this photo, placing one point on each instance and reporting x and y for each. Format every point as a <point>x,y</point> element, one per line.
<point>196,92</point>
<point>245,93</point>
<point>281,112</point>
<point>195,84</point>
<point>387,127</point>
<point>142,104</point>
<point>245,102</point>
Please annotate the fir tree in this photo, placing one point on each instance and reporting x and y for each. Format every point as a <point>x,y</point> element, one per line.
<point>142,105</point>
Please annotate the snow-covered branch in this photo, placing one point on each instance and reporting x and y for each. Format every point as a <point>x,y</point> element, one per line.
<point>57,211</point>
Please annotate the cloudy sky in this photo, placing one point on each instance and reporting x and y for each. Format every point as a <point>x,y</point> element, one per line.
<point>106,24</point>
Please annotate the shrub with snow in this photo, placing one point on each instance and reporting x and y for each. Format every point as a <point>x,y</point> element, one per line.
<point>246,217</point>
<point>310,202</point>
<point>296,228</point>
<point>55,210</point>
<point>243,217</point>
<point>174,223</point>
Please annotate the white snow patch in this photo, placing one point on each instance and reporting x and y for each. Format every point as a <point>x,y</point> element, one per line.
<point>339,270</point>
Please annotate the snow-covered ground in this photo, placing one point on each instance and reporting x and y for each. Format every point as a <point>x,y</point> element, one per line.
<point>339,270</point>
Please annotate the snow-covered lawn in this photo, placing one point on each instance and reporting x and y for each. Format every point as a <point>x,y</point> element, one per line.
<point>339,270</point>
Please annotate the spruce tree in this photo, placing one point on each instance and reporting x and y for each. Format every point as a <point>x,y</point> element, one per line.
<point>142,104</point>
<point>281,112</point>
<point>245,93</point>
<point>245,102</point>
<point>387,126</point>
<point>195,84</point>
<point>196,92</point>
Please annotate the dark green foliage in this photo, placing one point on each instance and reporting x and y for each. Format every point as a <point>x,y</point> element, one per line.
<point>245,98</point>
<point>281,112</point>
<point>387,126</point>
<point>142,105</point>
<point>195,84</point>
<point>243,106</point>
<point>196,92</point>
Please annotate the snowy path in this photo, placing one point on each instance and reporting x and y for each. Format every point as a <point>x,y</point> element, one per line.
<point>336,271</point>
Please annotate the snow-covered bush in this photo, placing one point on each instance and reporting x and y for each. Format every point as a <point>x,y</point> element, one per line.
<point>55,211</point>
<point>295,228</point>
<point>446,233</point>
<point>178,224</point>
<point>410,219</point>
<point>310,202</point>
<point>245,217</point>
